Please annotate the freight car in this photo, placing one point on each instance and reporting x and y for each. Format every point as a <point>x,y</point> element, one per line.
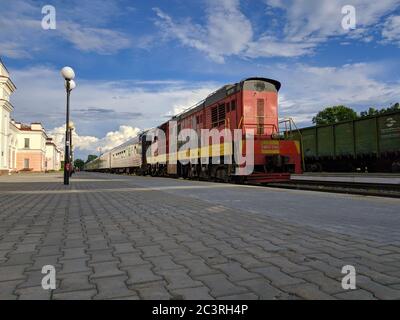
<point>368,144</point>
<point>250,105</point>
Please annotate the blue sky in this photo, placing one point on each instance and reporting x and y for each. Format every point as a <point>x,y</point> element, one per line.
<point>138,62</point>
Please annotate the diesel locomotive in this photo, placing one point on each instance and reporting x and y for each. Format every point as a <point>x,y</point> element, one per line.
<point>250,105</point>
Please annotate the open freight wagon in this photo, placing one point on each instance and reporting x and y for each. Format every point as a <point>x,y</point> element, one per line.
<point>369,144</point>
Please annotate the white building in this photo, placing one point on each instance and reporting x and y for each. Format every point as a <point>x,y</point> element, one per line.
<point>22,147</point>
<point>53,156</point>
<point>31,147</point>
<point>7,87</point>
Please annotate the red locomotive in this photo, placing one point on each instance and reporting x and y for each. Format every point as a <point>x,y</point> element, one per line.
<point>250,105</point>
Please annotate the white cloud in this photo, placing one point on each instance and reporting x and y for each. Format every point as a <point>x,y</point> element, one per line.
<point>391,30</point>
<point>101,41</point>
<point>92,144</point>
<point>85,28</point>
<point>305,24</point>
<point>308,89</point>
<point>227,30</point>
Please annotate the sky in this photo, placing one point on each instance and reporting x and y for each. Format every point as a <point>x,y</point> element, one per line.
<point>139,62</point>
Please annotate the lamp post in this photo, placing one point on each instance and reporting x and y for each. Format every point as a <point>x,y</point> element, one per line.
<point>69,75</point>
<point>71,128</point>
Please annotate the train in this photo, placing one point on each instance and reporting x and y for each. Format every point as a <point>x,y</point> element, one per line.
<point>250,105</point>
<point>367,144</point>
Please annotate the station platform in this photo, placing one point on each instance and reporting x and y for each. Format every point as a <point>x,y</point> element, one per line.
<point>372,178</point>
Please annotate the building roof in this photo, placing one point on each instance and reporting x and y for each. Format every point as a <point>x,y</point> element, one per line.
<point>2,63</point>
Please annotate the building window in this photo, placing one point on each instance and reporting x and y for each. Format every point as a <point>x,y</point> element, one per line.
<point>27,143</point>
<point>26,163</point>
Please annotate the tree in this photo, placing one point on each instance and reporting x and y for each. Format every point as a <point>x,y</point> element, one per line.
<point>334,114</point>
<point>394,107</point>
<point>371,112</point>
<point>79,163</point>
<point>375,112</point>
<point>91,157</point>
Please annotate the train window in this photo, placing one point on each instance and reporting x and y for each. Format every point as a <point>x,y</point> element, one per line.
<point>214,116</point>
<point>197,119</point>
<point>233,105</point>
<point>228,109</point>
<point>221,113</point>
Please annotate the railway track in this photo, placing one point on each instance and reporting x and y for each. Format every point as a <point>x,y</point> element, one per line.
<point>368,189</point>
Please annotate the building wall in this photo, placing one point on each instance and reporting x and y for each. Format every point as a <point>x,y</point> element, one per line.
<point>52,157</point>
<point>32,146</point>
<point>6,89</point>
<point>13,147</point>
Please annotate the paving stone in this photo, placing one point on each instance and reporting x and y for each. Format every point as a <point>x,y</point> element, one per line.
<point>152,290</point>
<point>286,265</point>
<point>33,293</point>
<point>263,289</point>
<point>235,272</point>
<point>140,274</point>
<point>276,276</point>
<point>42,261</point>
<point>74,253</point>
<point>163,263</point>
<point>247,260</point>
<point>198,293</point>
<point>7,289</point>
<point>358,294</point>
<point>75,295</point>
<point>197,267</point>
<point>181,254</point>
<point>74,282</point>
<point>18,258</point>
<point>178,279</point>
<point>307,291</point>
<point>124,248</point>
<point>380,291</point>
<point>48,250</point>
<point>106,269</point>
<point>241,296</point>
<point>325,283</point>
<point>212,257</point>
<point>8,273</point>
<point>75,265</point>
<point>112,287</point>
<point>26,248</point>
<point>97,256</point>
<point>220,286</point>
<point>151,251</point>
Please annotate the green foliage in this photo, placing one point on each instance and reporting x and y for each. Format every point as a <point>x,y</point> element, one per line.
<point>334,114</point>
<point>375,112</point>
<point>79,163</point>
<point>91,157</point>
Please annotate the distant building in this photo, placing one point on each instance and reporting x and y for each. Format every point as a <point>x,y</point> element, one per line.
<point>7,87</point>
<point>31,153</point>
<point>53,156</point>
<point>22,147</point>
